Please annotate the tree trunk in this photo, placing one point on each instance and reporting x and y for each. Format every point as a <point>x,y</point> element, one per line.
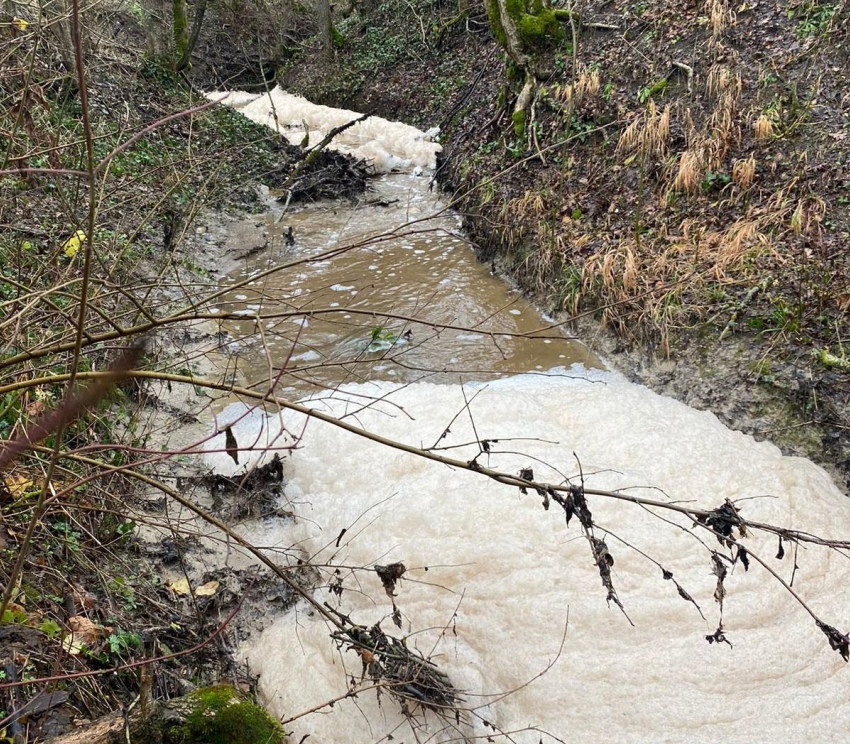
<point>180,29</point>
<point>58,21</point>
<point>197,22</point>
<point>326,36</point>
<point>513,45</point>
<point>527,44</point>
<point>157,29</point>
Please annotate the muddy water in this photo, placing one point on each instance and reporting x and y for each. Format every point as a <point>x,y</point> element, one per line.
<point>412,267</point>
<point>499,592</point>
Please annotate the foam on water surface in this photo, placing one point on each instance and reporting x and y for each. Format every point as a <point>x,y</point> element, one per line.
<point>386,145</point>
<point>512,571</point>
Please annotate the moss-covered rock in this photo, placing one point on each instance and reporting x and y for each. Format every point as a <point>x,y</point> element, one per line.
<point>220,715</point>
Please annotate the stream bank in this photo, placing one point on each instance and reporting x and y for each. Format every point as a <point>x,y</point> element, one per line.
<point>105,581</point>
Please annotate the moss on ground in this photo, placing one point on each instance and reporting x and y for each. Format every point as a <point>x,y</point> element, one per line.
<point>220,715</point>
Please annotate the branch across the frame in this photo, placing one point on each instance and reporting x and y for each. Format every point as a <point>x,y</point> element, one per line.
<point>507,479</point>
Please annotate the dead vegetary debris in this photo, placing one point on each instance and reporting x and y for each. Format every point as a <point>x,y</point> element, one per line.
<point>252,495</point>
<point>325,174</point>
<point>389,663</point>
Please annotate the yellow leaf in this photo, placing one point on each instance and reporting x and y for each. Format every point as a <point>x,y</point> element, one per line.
<point>207,590</point>
<point>181,586</point>
<point>26,245</point>
<point>72,646</point>
<point>72,244</point>
<point>20,24</point>
<point>18,484</point>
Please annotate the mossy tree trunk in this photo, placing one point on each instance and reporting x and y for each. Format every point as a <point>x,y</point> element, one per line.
<point>180,29</point>
<point>528,31</point>
<point>170,39</point>
<point>326,29</point>
<point>197,23</point>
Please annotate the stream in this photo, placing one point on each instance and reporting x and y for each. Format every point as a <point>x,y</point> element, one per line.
<point>503,596</point>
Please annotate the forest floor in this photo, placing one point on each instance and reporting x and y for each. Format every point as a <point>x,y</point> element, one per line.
<point>681,188</point>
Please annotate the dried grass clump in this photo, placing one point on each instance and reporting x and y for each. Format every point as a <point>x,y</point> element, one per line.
<point>541,263</point>
<point>647,135</point>
<point>720,17</point>
<point>807,215</point>
<point>744,173</point>
<point>756,231</point>
<point>742,235</point>
<point>586,86</point>
<point>691,169</point>
<point>530,203</point>
<point>763,128</point>
<point>722,81</point>
<point>630,272</point>
<point>724,87</point>
<point>630,137</point>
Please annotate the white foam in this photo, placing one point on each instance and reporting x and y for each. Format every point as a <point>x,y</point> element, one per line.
<point>306,356</point>
<point>516,570</point>
<point>387,145</point>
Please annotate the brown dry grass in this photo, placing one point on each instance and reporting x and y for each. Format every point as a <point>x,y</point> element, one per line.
<point>648,133</point>
<point>744,172</point>
<point>764,128</point>
<point>720,17</point>
<point>691,169</point>
<point>723,88</point>
<point>586,86</point>
<point>531,203</point>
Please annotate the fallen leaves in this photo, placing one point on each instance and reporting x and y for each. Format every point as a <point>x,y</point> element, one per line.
<point>85,634</point>
<point>207,590</point>
<point>17,485</point>
<point>182,588</point>
<point>72,245</point>
<point>230,445</point>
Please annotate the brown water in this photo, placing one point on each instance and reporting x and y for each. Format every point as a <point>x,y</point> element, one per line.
<point>413,269</point>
